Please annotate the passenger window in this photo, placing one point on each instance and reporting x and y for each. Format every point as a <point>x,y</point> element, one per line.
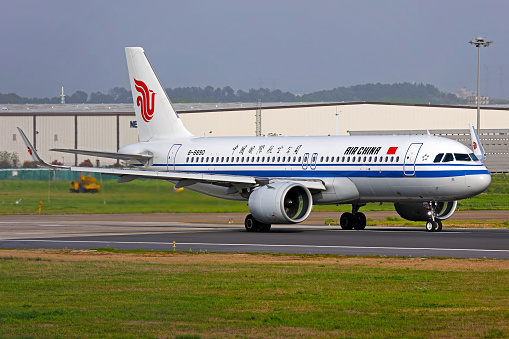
<point>343,159</point>
<point>278,159</point>
<point>448,157</point>
<point>438,158</point>
<point>247,159</point>
<point>386,159</point>
<point>353,159</point>
<point>321,159</point>
<point>258,159</point>
<point>348,159</point>
<point>299,159</point>
<point>397,159</point>
<point>381,159</point>
<point>227,158</point>
<point>192,158</point>
<point>273,159</point>
<point>222,159</point>
<point>212,159</point>
<point>327,159</point>
<point>202,159</point>
<point>364,160</point>
<point>217,159</point>
<point>207,159</point>
<point>263,159</point>
<point>252,159</point>
<point>337,159</point>
<point>359,159</point>
<point>369,159</point>
<point>461,157</point>
<point>392,159</point>
<point>294,158</point>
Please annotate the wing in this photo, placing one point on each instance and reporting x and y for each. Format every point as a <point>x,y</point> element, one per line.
<point>114,155</point>
<point>182,178</point>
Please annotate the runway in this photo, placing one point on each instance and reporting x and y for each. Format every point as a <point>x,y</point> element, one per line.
<point>213,233</point>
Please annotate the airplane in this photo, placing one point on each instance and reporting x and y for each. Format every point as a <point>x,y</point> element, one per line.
<point>282,177</point>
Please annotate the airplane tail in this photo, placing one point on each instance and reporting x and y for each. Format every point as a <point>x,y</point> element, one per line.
<point>476,144</point>
<point>156,118</point>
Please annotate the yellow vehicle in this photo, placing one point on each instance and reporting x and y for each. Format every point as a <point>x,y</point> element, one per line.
<point>86,183</point>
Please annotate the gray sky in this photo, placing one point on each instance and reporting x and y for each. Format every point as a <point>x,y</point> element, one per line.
<point>297,46</point>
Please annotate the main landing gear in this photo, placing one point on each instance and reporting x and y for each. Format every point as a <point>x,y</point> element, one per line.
<point>433,224</point>
<point>253,225</point>
<point>355,220</point>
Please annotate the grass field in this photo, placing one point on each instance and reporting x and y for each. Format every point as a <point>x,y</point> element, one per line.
<point>146,294</point>
<point>150,196</point>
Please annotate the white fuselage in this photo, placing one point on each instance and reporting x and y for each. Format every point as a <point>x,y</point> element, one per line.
<point>354,169</point>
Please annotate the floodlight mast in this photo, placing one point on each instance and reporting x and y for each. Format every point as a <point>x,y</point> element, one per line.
<point>478,42</point>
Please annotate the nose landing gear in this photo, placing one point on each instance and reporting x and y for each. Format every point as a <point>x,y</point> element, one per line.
<point>433,224</point>
<point>355,220</point>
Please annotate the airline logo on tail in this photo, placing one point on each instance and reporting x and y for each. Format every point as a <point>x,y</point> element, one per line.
<point>145,100</point>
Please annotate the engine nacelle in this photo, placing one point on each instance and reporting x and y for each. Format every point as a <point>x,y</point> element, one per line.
<point>415,211</point>
<point>281,203</point>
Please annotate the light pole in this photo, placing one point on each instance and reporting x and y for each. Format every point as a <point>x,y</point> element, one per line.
<point>337,119</point>
<point>478,42</point>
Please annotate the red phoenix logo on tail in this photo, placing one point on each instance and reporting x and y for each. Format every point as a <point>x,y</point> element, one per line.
<point>145,100</point>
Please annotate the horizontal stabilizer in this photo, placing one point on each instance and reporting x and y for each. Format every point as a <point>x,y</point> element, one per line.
<point>114,155</point>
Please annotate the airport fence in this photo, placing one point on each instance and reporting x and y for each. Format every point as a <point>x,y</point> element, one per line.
<point>46,174</point>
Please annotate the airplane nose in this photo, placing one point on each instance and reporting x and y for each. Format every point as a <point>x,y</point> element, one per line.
<point>478,183</point>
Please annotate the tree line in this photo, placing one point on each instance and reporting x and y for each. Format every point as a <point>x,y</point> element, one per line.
<point>409,93</point>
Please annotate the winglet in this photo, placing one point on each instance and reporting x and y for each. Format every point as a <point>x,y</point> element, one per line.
<point>31,150</point>
<point>477,145</point>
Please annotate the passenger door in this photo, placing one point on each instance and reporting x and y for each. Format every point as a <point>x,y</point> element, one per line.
<point>410,159</point>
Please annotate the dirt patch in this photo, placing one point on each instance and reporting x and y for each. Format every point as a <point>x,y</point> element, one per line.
<point>236,258</point>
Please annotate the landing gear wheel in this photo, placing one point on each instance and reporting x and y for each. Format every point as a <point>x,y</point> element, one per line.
<point>360,221</point>
<point>431,226</point>
<point>439,226</point>
<point>347,221</point>
<point>264,227</point>
<point>251,224</point>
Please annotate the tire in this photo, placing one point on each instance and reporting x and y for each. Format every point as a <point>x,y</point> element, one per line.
<point>360,221</point>
<point>431,226</point>
<point>439,226</point>
<point>251,224</point>
<point>347,221</point>
<point>264,227</point>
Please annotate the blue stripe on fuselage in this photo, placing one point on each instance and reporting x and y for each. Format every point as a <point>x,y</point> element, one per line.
<point>296,171</point>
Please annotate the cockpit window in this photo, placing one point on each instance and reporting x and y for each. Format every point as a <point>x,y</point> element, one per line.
<point>438,157</point>
<point>448,157</point>
<point>472,155</point>
<point>462,157</point>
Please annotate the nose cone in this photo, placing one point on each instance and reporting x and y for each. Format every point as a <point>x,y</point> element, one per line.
<point>478,183</point>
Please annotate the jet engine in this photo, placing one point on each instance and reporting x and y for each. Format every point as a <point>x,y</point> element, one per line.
<point>415,211</point>
<point>280,203</point>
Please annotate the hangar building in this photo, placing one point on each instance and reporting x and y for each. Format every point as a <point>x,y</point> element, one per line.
<point>107,127</point>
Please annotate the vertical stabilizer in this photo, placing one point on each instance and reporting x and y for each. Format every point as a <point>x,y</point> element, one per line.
<point>476,144</point>
<point>156,118</point>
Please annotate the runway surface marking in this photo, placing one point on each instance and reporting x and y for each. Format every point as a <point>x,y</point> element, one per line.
<point>262,245</point>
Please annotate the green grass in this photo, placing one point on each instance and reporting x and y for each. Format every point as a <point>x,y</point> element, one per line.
<point>289,298</point>
<point>152,196</point>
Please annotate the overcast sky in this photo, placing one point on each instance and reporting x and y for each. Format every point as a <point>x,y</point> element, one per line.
<point>297,46</point>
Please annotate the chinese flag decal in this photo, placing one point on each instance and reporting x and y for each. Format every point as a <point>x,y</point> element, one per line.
<point>392,150</point>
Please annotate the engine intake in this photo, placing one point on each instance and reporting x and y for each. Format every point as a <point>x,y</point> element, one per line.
<point>415,211</point>
<point>281,203</point>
